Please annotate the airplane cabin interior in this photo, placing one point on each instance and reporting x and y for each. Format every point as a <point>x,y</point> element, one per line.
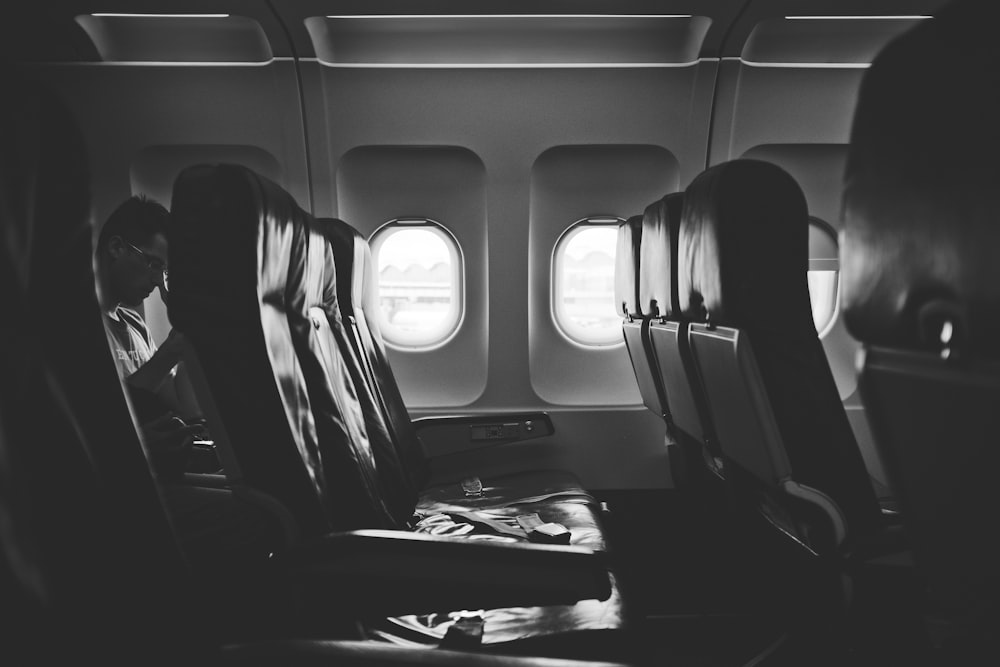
<point>569,333</point>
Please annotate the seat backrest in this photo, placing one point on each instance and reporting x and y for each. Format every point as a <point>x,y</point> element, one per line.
<point>89,566</point>
<point>670,353</point>
<point>921,290</point>
<point>781,426</point>
<point>245,271</point>
<point>364,413</point>
<point>356,298</point>
<point>634,322</point>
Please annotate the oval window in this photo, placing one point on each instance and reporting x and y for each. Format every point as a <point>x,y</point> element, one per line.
<point>420,273</point>
<point>824,274</point>
<point>583,285</point>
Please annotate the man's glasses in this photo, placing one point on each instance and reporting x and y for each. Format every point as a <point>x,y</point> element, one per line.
<point>154,263</point>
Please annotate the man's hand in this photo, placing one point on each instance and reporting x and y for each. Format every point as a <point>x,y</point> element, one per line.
<point>168,440</point>
<point>172,348</point>
<point>152,374</point>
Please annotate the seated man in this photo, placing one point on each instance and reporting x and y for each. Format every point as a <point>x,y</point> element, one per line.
<point>213,524</point>
<point>131,263</point>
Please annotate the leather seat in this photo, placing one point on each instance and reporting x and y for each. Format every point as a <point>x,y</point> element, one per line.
<point>82,521</point>
<point>787,445</point>
<point>921,290</point>
<point>634,322</point>
<point>244,330</point>
<point>283,380</point>
<point>668,346</point>
<point>646,293</point>
<point>352,290</point>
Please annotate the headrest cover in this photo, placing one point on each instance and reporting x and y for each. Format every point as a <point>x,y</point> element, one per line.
<point>921,202</point>
<point>344,270</point>
<point>231,226</point>
<point>658,263</point>
<point>744,249</point>
<point>627,266</point>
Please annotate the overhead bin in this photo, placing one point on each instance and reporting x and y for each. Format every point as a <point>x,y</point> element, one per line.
<point>180,38</point>
<point>507,39</point>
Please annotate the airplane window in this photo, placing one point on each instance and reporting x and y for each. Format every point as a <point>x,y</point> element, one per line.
<point>420,272</point>
<point>583,302</point>
<point>824,274</point>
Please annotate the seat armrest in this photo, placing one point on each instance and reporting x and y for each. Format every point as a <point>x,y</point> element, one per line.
<point>206,480</point>
<point>386,572</point>
<point>322,653</point>
<point>454,434</point>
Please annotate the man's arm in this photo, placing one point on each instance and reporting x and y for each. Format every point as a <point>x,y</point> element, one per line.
<point>152,374</point>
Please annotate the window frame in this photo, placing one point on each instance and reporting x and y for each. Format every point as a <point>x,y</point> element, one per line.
<point>375,242</point>
<point>609,221</point>
<point>828,229</point>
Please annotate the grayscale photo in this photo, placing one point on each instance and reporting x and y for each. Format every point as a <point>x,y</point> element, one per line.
<point>497,333</point>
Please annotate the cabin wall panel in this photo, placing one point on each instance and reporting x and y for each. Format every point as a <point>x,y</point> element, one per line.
<point>446,184</point>
<point>508,117</point>
<point>569,183</point>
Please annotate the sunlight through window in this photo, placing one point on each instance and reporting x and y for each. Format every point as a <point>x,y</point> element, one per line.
<point>584,283</point>
<point>419,279</point>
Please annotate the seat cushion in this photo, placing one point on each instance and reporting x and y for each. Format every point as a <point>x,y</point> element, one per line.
<point>557,497</point>
<point>556,630</point>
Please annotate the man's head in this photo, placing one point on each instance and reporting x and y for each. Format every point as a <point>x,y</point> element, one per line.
<point>132,250</point>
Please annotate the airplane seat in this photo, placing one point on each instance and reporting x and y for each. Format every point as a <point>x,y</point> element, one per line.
<point>355,295</point>
<point>239,287</point>
<point>669,351</point>
<point>352,269</point>
<point>634,321</point>
<point>81,522</point>
<point>267,319</point>
<point>788,447</point>
<point>921,291</point>
<point>552,496</point>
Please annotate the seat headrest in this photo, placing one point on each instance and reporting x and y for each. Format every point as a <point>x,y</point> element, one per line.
<point>661,223</point>
<point>921,203</point>
<point>49,181</point>
<point>627,266</point>
<point>231,227</point>
<point>346,261</point>
<point>744,248</point>
<point>342,285</point>
<point>354,269</point>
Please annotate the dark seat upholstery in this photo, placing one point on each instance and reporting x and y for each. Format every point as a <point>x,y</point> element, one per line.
<point>82,526</point>
<point>245,330</point>
<point>921,289</point>
<point>646,293</point>
<point>272,344</point>
<point>89,565</point>
<point>669,349</point>
<point>355,295</point>
<point>788,447</point>
<point>555,496</point>
<point>634,324</point>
